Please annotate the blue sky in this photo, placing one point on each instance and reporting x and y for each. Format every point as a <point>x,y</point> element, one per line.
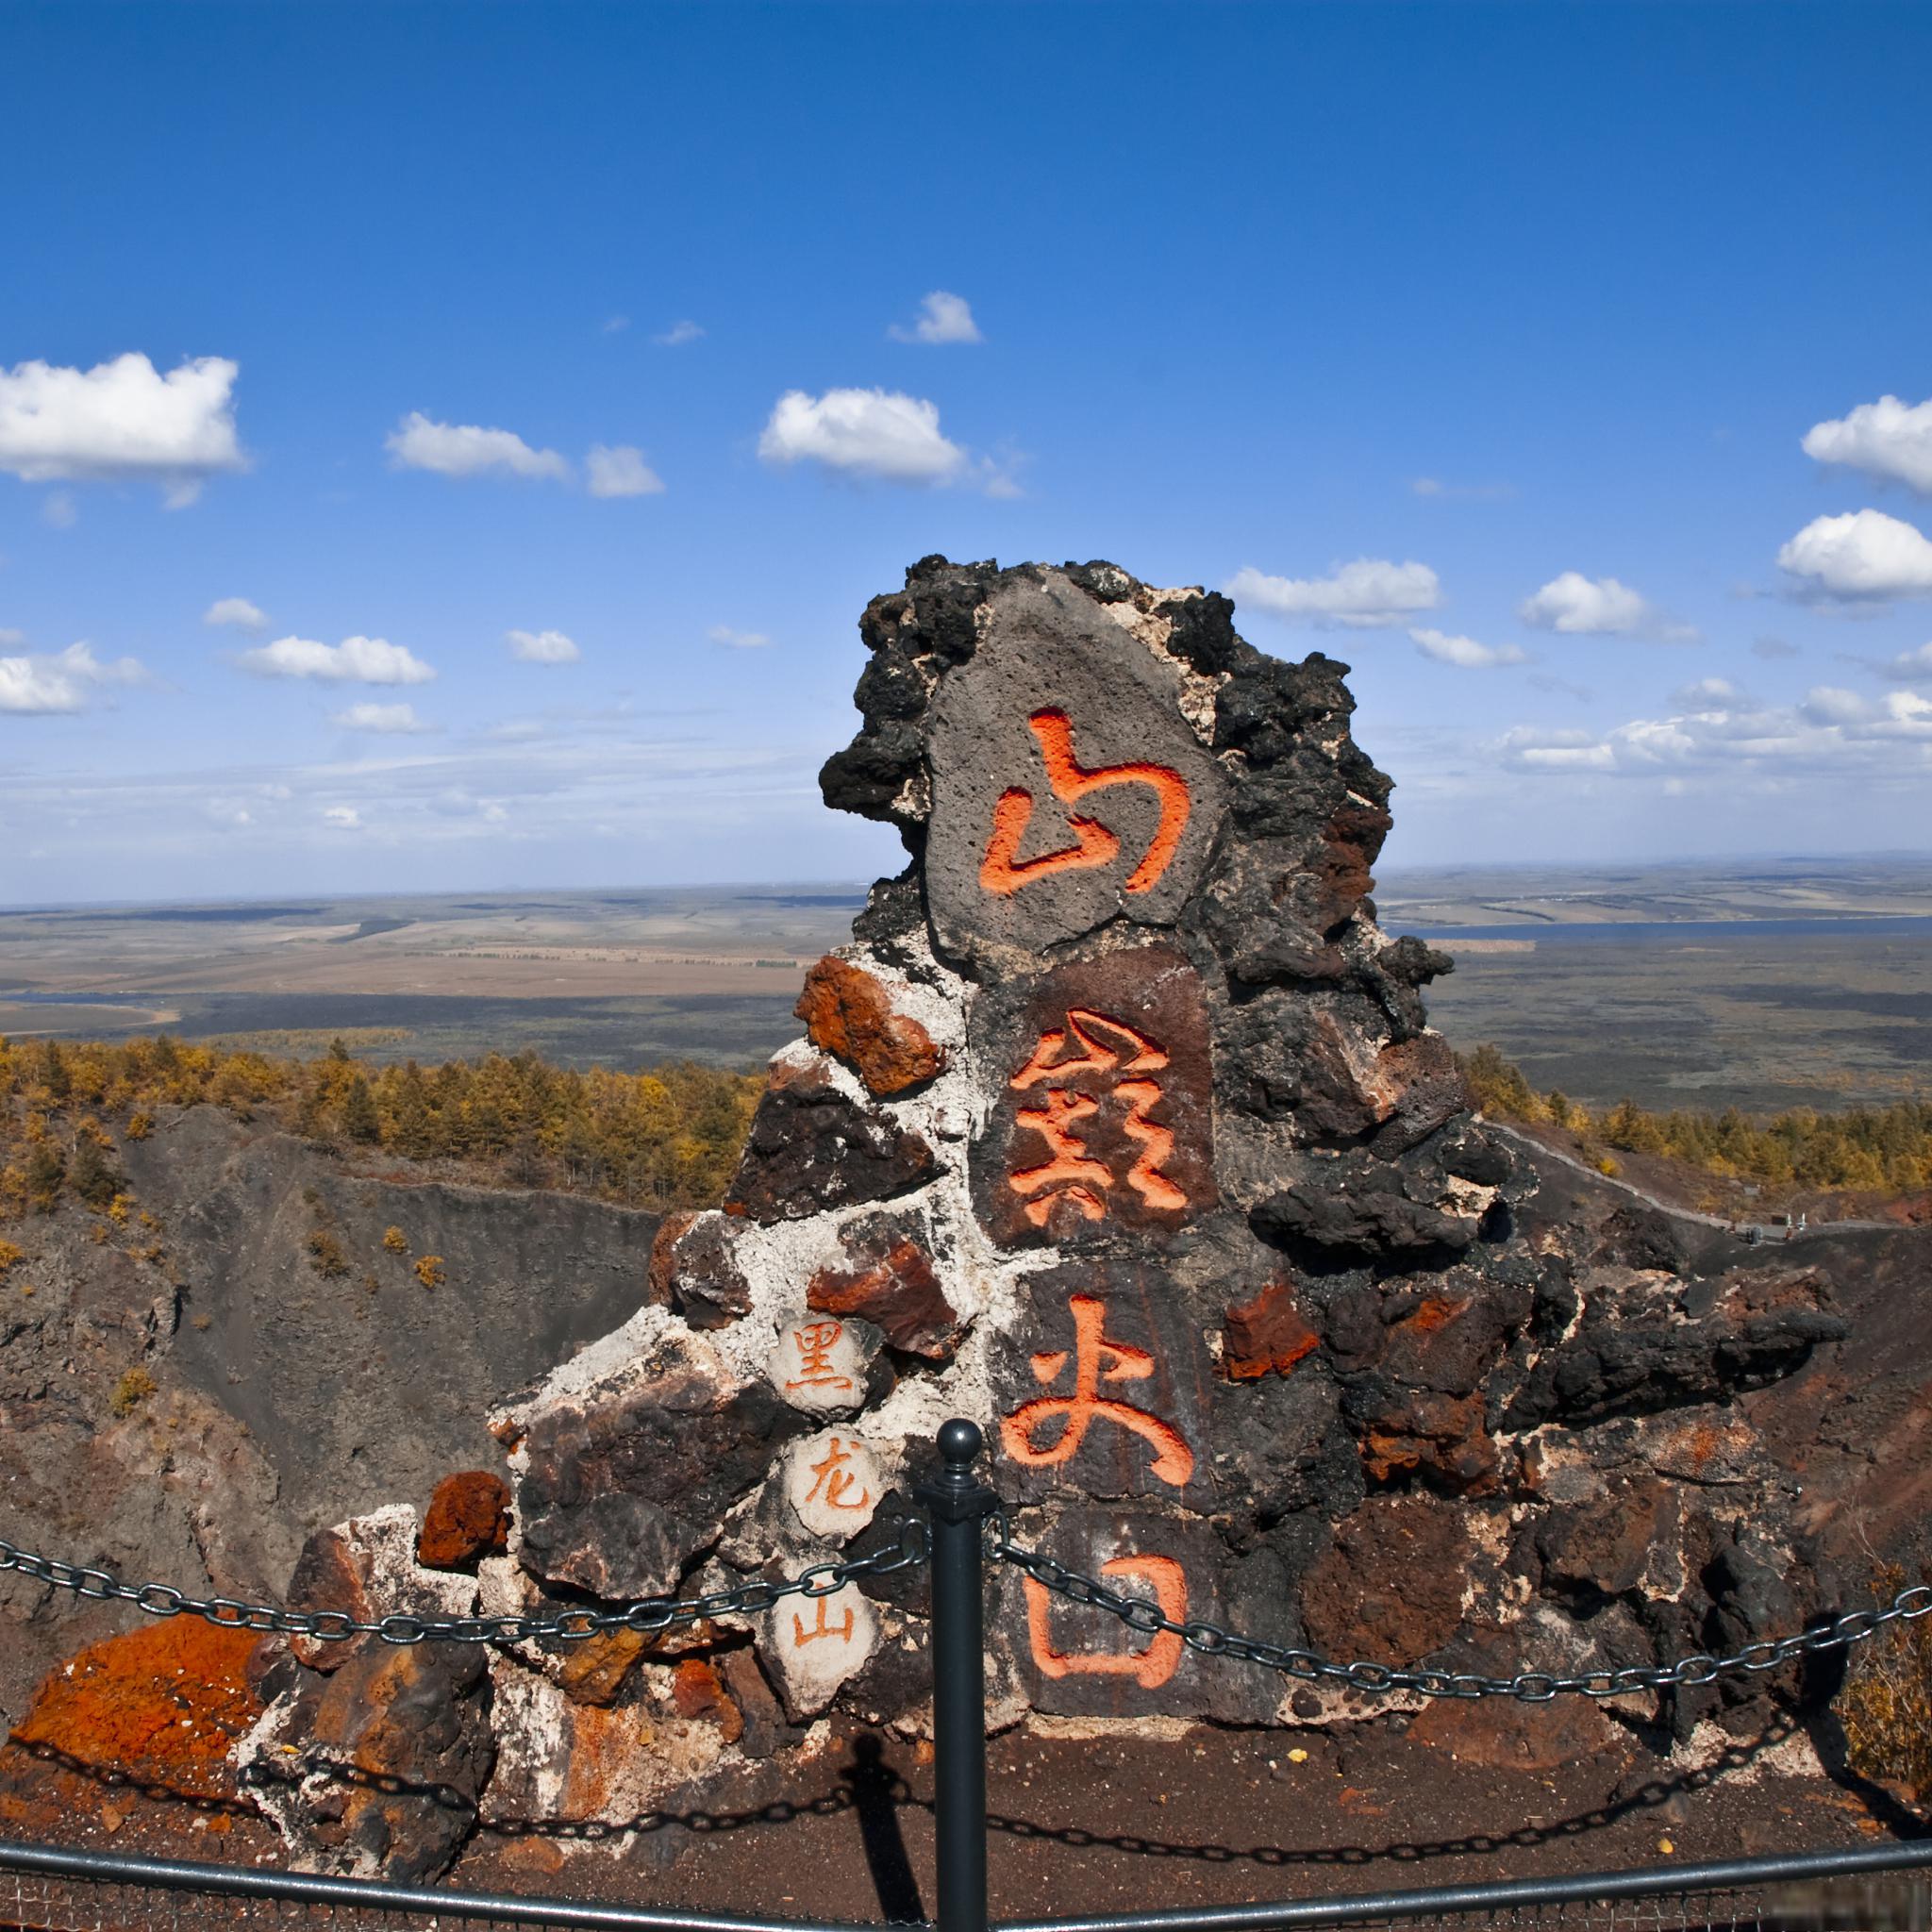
<point>1479,347</point>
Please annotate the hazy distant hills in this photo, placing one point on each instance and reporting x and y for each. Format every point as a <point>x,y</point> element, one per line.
<point>1770,984</point>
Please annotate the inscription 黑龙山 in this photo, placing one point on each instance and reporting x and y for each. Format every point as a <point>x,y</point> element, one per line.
<point>811,1645</point>
<point>1068,789</point>
<point>1105,1117</point>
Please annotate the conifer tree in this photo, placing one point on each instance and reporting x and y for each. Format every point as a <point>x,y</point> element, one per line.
<point>359,1121</point>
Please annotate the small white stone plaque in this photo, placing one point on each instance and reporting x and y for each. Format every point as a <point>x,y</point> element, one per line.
<point>820,1365</point>
<point>833,1484</point>
<point>814,1645</point>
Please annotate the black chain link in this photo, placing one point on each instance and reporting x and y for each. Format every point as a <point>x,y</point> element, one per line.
<point>648,1616</point>
<point>1530,1686</point>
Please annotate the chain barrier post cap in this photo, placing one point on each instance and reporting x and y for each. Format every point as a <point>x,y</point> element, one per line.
<point>954,1493</point>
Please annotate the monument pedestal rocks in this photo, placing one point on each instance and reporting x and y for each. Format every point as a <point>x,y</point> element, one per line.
<point>371,1758</point>
<point>1119,1128</point>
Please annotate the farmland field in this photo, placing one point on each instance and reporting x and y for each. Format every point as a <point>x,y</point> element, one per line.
<point>1769,987</point>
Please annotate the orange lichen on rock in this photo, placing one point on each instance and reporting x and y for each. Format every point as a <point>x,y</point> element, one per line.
<point>698,1692</point>
<point>468,1519</point>
<point>1265,1336</point>
<point>848,1012</point>
<point>1439,1436</point>
<point>594,1671</point>
<point>900,1294</point>
<point>1435,1313</point>
<point>162,1704</point>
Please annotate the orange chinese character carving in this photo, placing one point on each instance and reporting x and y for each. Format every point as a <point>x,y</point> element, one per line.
<point>800,1636</point>
<point>1150,1668</point>
<point>815,1343</point>
<point>1096,1360</point>
<point>1069,1172</point>
<point>1005,872</point>
<point>835,1479</point>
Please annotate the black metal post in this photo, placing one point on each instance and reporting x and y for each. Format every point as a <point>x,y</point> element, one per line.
<point>956,1504</point>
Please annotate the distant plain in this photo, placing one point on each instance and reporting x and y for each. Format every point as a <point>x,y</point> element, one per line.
<point>1767,986</point>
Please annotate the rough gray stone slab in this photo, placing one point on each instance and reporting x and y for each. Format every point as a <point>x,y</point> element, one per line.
<point>1074,1661</point>
<point>1103,1119</point>
<point>1104,1390</point>
<point>1059,761</point>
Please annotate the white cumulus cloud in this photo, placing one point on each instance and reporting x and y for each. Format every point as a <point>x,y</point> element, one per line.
<point>354,661</point>
<point>736,640</point>
<point>343,817</point>
<point>120,420</point>
<point>1862,557</point>
<point>677,335</point>
<point>389,719</point>
<point>1830,730</point>
<point>1577,605</point>
<point>620,470</point>
<point>464,449</point>
<point>1912,667</point>
<point>1827,705</point>
<point>237,611</point>
<point>1366,593</point>
<point>864,432</point>
<point>1464,652</point>
<point>1708,693</point>
<point>542,646</point>
<point>1538,750</point>
<point>942,318</point>
<point>57,681</point>
<point>1889,439</point>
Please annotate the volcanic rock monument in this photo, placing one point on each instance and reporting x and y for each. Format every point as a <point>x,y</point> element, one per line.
<point>1118,1127</point>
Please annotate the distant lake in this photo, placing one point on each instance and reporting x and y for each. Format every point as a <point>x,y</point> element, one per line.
<point>72,999</point>
<point>1639,932</point>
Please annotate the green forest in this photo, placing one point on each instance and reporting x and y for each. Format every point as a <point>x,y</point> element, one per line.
<point>668,1137</point>
<point>1860,1149</point>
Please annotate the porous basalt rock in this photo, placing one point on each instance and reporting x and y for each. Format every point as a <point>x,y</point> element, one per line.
<point>813,1147</point>
<point>619,1487</point>
<point>886,1277</point>
<point>387,1763</point>
<point>1265,1336</point>
<point>694,1272</point>
<point>370,1569</point>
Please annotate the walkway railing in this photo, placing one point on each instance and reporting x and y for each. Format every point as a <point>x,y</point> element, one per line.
<point>1875,1889</point>
<point>964,1523</point>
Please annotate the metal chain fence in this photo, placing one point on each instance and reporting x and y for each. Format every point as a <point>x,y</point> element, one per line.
<point>1138,1613</point>
<point>647,1616</point>
<point>1529,1686</point>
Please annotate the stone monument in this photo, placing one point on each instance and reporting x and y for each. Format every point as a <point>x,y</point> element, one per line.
<point>1119,1128</point>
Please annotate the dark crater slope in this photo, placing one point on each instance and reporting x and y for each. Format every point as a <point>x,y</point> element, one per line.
<point>302,1369</point>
